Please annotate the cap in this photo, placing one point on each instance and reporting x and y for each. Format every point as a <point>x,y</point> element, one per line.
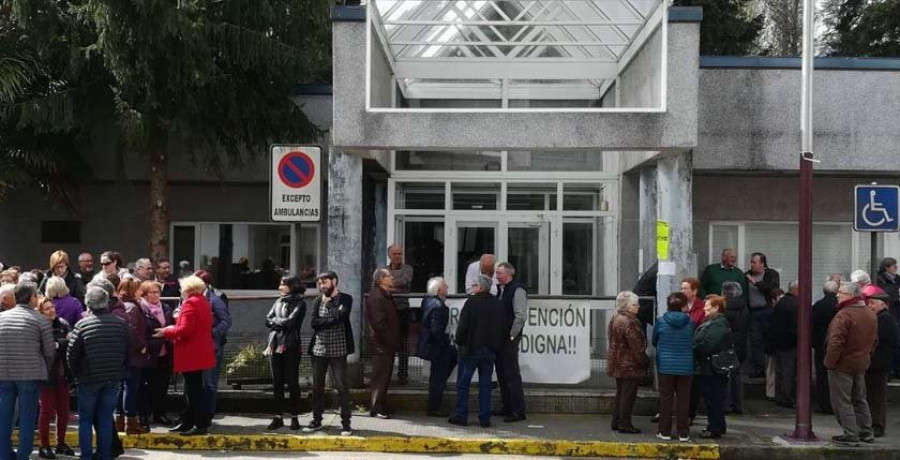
<point>328,274</point>
<point>203,275</point>
<point>874,292</point>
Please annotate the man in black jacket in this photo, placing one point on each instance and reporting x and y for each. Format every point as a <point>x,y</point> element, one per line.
<point>882,360</point>
<point>332,341</point>
<point>480,336</point>
<point>99,347</point>
<point>782,338</point>
<point>761,281</point>
<point>822,314</point>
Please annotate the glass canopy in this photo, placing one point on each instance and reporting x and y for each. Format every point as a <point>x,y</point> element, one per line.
<point>511,49</point>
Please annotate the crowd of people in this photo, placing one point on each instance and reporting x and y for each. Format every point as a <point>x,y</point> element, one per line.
<point>111,338</point>
<point>730,319</point>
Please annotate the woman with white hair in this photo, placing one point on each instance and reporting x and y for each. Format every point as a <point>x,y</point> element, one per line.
<point>626,359</point>
<point>434,344</point>
<point>194,353</point>
<point>67,307</point>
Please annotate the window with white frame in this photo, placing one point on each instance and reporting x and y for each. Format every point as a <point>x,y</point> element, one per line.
<point>558,227</point>
<point>247,255</point>
<point>836,247</point>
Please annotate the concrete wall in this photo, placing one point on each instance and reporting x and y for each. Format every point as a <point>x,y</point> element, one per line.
<point>357,129</point>
<point>750,119</point>
<point>640,84</point>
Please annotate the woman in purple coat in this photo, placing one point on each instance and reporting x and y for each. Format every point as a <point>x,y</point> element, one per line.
<point>67,307</point>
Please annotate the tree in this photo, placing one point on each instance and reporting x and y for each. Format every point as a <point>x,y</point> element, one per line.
<point>867,28</point>
<point>729,27</point>
<point>783,35</point>
<point>216,73</point>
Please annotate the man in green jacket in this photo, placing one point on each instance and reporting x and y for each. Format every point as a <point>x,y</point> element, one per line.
<point>715,274</point>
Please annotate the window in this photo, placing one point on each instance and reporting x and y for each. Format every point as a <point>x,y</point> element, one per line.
<point>448,161</point>
<point>476,197</point>
<point>834,248</point>
<point>579,160</point>
<point>248,255</point>
<point>60,232</point>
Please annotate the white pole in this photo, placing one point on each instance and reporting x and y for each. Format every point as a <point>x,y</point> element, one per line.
<point>806,124</point>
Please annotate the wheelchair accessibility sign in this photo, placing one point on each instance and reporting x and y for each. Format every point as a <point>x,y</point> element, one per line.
<point>877,208</point>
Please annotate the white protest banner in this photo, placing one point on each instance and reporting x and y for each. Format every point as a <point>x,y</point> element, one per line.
<point>555,345</point>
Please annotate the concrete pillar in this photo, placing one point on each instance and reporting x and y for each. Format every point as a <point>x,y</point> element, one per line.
<point>673,186</point>
<point>345,223</point>
<point>647,217</point>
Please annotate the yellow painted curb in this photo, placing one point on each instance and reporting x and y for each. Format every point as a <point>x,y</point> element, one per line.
<point>422,445</point>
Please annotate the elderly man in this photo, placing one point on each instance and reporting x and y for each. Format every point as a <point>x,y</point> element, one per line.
<point>143,269</point>
<point>852,337</point>
<point>7,296</point>
<point>86,267</point>
<point>403,275</point>
<point>98,353</point>
<point>822,314</point>
<point>382,325</point>
<point>168,281</point>
<point>715,274</point>
<point>882,359</point>
<point>514,299</point>
<point>761,281</point>
<point>480,336</point>
<point>27,350</point>
<point>782,338</point>
<point>860,277</point>
<point>484,266</point>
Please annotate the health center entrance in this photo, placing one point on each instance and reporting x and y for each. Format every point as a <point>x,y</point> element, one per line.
<point>558,229</point>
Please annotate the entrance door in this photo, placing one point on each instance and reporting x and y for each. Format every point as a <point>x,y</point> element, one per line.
<point>529,252</point>
<point>472,240</point>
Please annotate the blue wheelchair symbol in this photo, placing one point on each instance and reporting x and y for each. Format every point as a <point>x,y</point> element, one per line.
<point>877,208</point>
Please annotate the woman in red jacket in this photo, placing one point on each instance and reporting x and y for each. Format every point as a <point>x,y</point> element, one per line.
<point>194,353</point>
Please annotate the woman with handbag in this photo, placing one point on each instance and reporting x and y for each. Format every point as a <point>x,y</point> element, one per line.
<point>714,360</point>
<point>627,360</point>
<point>155,377</point>
<point>283,348</point>
<point>434,344</point>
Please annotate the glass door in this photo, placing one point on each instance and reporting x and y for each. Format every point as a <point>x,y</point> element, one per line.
<point>472,240</point>
<point>528,250</point>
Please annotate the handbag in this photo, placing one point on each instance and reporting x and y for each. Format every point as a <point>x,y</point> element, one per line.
<point>724,362</point>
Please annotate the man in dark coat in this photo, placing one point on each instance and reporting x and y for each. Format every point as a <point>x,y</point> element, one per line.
<point>782,338</point>
<point>384,331</point>
<point>882,360</point>
<point>761,281</point>
<point>822,314</point>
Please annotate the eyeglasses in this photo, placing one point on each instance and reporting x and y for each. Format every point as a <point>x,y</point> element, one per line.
<point>105,263</point>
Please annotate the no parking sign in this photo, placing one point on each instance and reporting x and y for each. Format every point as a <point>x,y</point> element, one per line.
<point>295,184</point>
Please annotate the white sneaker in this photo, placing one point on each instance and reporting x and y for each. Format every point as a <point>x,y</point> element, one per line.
<point>346,432</point>
<point>664,437</point>
<point>684,438</point>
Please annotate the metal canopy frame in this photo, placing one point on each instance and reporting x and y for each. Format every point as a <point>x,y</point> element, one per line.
<point>511,49</point>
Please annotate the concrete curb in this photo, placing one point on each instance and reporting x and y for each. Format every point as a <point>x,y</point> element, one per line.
<point>421,445</point>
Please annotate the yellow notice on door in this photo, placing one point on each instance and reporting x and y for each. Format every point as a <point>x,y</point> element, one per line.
<point>662,240</point>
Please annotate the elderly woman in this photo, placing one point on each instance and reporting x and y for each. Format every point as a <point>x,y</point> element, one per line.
<point>59,266</point>
<point>673,335</point>
<point>155,377</point>
<point>129,292</point>
<point>712,338</point>
<point>434,343</point>
<point>284,349</point>
<point>738,315</point>
<point>690,287</point>
<point>194,353</point>
<point>55,392</point>
<point>626,359</point>
<point>67,307</point>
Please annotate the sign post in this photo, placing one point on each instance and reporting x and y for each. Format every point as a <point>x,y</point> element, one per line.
<point>295,183</point>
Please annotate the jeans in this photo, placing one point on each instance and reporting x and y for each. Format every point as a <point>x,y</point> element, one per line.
<point>54,403</point>
<point>712,387</point>
<point>338,366</point>
<point>481,360</point>
<point>286,370</point>
<point>96,402</point>
<point>129,392</point>
<point>211,381</point>
<point>25,392</point>
<point>759,322</point>
<point>442,365</point>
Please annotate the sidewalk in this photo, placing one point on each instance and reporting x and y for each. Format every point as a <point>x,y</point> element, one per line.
<point>749,437</point>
